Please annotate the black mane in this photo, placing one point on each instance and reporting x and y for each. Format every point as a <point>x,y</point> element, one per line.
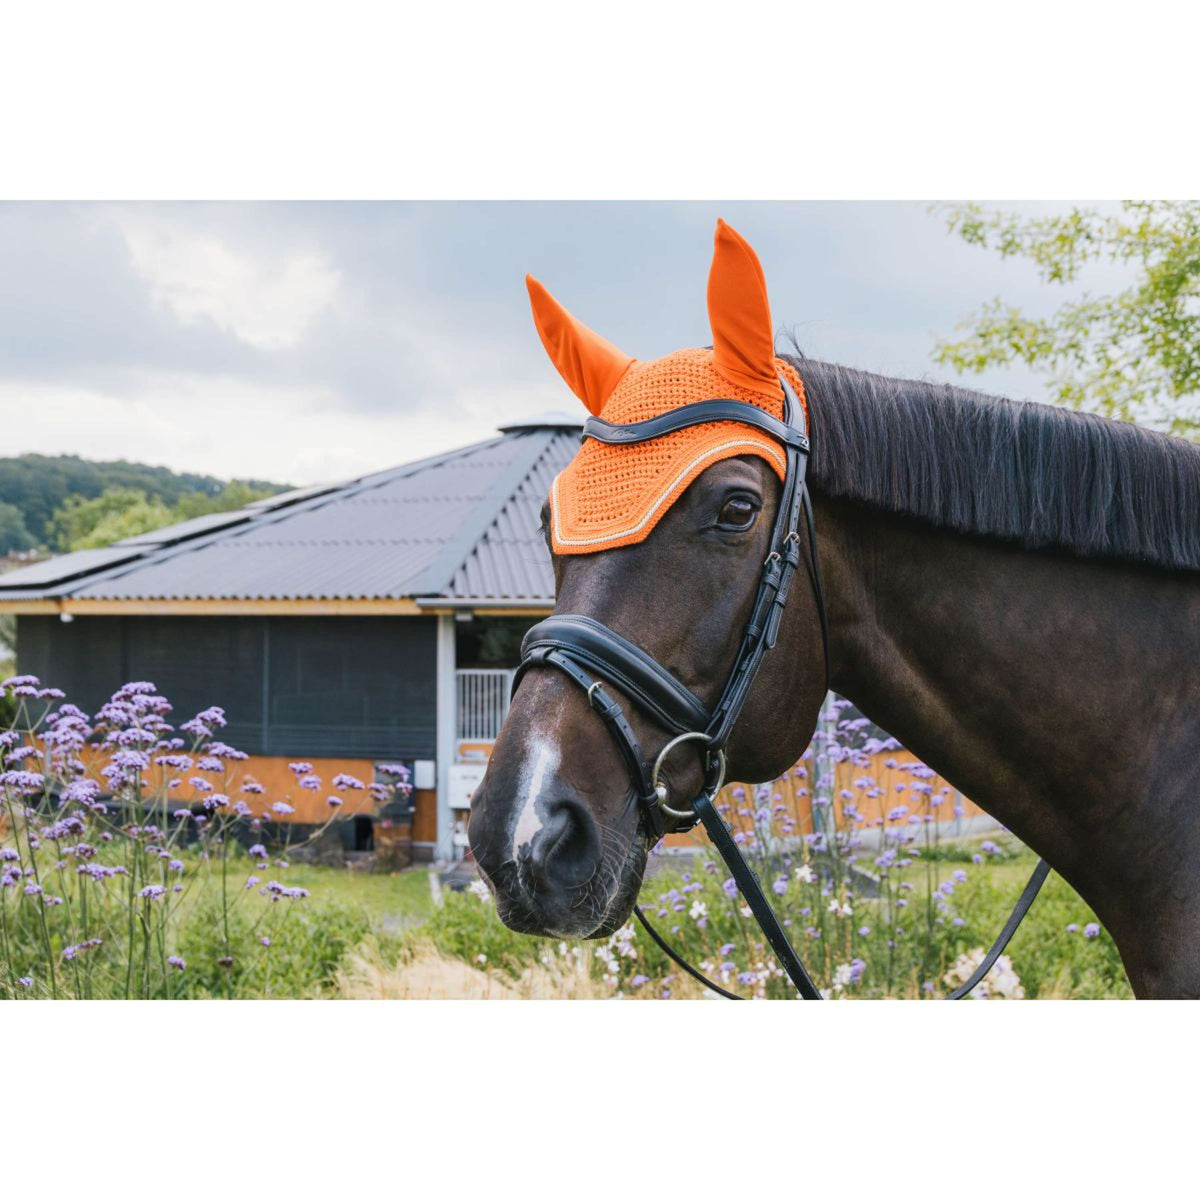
<point>1043,476</point>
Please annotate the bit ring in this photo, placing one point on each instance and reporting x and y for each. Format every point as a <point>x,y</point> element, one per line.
<point>660,789</point>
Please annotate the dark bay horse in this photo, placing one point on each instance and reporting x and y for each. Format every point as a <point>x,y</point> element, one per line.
<point>1013,591</point>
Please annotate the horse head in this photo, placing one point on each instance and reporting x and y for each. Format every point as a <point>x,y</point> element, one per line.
<point>662,543</point>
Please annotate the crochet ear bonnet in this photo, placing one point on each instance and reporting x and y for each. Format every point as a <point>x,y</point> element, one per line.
<point>614,495</point>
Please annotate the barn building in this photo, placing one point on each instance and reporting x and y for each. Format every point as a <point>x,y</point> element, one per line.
<point>372,621</point>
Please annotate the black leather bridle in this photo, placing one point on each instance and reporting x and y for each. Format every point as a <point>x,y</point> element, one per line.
<point>580,646</point>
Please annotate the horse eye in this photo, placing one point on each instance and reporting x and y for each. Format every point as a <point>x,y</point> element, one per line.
<point>738,513</point>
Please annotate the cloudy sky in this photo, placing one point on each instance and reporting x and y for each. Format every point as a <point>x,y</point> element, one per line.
<point>305,342</point>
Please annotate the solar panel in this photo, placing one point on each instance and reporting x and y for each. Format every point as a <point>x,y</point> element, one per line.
<point>186,529</point>
<point>67,566</point>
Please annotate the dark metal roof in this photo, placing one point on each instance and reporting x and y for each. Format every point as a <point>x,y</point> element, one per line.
<point>457,528</point>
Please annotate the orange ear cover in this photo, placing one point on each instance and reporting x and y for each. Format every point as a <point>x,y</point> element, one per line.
<point>590,365</point>
<point>740,316</point>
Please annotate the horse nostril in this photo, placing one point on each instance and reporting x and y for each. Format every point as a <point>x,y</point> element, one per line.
<point>566,851</point>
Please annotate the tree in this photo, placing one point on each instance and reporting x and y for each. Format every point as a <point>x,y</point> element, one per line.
<point>14,533</point>
<point>236,494</point>
<point>117,513</point>
<point>121,512</point>
<point>1132,354</point>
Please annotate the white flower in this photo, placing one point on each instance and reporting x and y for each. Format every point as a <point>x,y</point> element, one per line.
<point>480,890</point>
<point>481,958</point>
<point>745,910</point>
<point>698,911</point>
<point>805,874</point>
<point>840,909</point>
<point>1002,982</point>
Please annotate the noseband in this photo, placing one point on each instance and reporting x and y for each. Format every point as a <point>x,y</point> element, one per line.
<point>583,648</point>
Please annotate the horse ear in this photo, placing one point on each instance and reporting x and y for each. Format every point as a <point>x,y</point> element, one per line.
<point>590,365</point>
<point>743,337</point>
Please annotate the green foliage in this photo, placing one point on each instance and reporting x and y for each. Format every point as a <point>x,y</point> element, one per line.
<point>1132,354</point>
<point>38,485</point>
<point>466,929</point>
<point>116,513</point>
<point>14,533</point>
<point>120,512</point>
<point>1052,960</point>
<point>236,494</point>
<point>306,948</point>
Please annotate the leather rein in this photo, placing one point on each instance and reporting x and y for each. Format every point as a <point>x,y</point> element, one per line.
<point>583,648</point>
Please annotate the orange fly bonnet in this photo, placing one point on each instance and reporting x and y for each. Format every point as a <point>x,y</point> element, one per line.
<point>613,495</point>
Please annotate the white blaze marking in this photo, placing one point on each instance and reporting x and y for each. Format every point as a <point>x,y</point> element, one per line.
<point>543,761</point>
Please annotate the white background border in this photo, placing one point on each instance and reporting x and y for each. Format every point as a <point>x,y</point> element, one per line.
<point>732,100</point>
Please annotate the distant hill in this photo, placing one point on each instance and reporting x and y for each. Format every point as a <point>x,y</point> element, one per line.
<point>36,485</point>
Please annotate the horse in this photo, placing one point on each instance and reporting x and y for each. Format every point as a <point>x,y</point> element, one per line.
<point>1012,590</point>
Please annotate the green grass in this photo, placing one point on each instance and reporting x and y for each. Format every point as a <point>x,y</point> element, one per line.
<point>391,902</point>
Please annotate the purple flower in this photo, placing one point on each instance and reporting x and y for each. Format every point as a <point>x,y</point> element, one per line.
<point>70,952</point>
<point>726,950</point>
<point>729,888</point>
<point>779,887</point>
<point>98,871</point>
<point>1072,928</point>
<point>152,891</point>
<point>253,787</point>
<point>864,931</point>
<point>200,724</point>
<point>311,783</point>
<point>1091,930</point>
<point>282,808</point>
<point>341,782</point>
<point>24,782</point>
<point>26,981</point>
<point>300,769</point>
<point>264,941</point>
<point>638,980</point>
<point>334,801</point>
<point>258,850</point>
<point>178,963</point>
<point>277,891</point>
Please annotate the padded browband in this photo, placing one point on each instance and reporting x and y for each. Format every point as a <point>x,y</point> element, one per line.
<point>699,413</point>
<point>620,662</point>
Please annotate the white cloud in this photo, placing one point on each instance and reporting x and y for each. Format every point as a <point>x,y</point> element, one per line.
<point>231,428</point>
<point>198,277</point>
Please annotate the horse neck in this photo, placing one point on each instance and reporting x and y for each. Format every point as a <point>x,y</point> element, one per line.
<point>1046,688</point>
